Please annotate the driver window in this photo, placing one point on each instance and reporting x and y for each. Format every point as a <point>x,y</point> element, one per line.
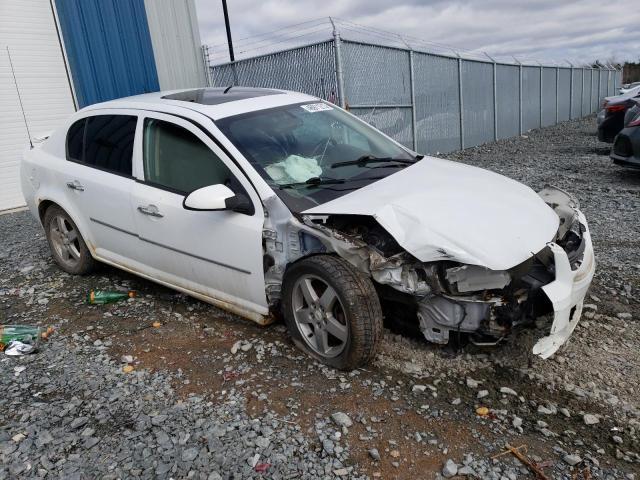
<point>176,159</point>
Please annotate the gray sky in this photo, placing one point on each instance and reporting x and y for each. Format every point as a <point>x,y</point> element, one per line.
<point>582,30</point>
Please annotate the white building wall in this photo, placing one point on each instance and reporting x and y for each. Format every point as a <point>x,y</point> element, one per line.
<point>176,43</point>
<point>28,28</point>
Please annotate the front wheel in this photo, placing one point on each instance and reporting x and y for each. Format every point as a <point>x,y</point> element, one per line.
<point>332,311</point>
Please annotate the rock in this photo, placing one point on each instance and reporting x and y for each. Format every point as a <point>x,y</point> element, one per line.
<point>395,453</point>
<point>483,393</point>
<point>572,459</point>
<point>466,471</point>
<point>590,419</point>
<point>471,383</point>
<point>565,412</point>
<point>545,410</point>
<point>78,423</point>
<point>253,461</point>
<point>456,401</point>
<point>189,454</point>
<point>617,439</point>
<point>517,422</point>
<point>341,419</point>
<point>158,419</point>
<point>341,472</point>
<point>328,446</point>
<point>43,438</point>
<point>126,359</point>
<point>418,388</point>
<point>624,316</point>
<point>373,453</point>
<point>262,442</point>
<point>450,469</point>
<point>508,391</point>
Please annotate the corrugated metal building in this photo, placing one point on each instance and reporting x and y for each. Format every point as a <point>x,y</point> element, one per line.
<point>67,54</point>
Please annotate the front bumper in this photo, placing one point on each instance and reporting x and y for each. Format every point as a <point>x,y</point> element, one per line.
<point>566,294</point>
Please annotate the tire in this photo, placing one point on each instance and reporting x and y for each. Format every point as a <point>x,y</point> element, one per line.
<point>352,320</point>
<point>68,248</point>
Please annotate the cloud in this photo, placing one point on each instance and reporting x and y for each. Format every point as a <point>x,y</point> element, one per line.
<point>547,30</point>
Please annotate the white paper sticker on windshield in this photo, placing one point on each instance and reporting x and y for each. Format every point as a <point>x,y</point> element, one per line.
<point>316,107</point>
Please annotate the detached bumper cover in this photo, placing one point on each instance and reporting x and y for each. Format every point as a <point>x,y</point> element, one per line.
<point>567,294</point>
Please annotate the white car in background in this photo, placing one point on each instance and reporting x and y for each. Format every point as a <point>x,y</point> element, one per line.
<point>265,201</point>
<point>628,87</point>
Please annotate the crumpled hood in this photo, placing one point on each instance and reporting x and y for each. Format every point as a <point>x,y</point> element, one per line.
<point>443,210</point>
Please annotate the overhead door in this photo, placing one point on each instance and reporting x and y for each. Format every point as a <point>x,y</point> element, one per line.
<point>28,29</point>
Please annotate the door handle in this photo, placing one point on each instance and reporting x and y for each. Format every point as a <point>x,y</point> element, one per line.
<point>150,210</point>
<point>75,185</point>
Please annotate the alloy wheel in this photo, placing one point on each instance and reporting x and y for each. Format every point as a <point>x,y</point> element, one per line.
<point>65,240</point>
<point>320,316</point>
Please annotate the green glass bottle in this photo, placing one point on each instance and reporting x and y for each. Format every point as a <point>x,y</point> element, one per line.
<point>100,297</point>
<point>22,333</point>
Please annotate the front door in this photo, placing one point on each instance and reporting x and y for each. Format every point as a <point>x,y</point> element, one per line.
<point>217,254</point>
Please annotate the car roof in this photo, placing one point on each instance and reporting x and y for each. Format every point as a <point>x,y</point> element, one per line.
<point>213,102</point>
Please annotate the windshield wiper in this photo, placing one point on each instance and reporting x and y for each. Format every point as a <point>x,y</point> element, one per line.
<point>365,159</point>
<point>313,181</point>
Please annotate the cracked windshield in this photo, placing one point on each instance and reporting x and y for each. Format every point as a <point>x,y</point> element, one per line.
<point>312,153</point>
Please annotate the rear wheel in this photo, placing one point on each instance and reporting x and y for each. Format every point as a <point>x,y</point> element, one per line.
<point>332,311</point>
<point>67,245</point>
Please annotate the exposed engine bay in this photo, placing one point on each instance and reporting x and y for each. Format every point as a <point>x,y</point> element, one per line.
<point>444,296</point>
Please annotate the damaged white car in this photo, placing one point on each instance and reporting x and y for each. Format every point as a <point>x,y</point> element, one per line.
<point>264,201</point>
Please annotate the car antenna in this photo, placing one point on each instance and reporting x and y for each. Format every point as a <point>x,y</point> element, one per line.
<point>26,124</point>
<point>228,88</point>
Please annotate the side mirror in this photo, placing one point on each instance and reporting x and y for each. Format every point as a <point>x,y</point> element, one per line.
<point>217,197</point>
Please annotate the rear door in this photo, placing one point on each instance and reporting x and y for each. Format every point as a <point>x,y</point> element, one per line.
<point>98,179</point>
<point>217,254</point>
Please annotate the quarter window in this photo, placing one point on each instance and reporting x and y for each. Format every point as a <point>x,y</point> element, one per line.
<point>178,160</point>
<point>75,141</point>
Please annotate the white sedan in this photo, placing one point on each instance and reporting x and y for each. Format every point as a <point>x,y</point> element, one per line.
<point>265,201</point>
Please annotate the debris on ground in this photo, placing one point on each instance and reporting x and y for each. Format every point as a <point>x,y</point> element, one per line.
<point>15,348</point>
<point>102,297</point>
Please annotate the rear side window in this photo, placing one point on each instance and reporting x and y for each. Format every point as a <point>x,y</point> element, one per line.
<point>103,141</point>
<point>108,142</point>
<point>178,160</point>
<point>75,141</point>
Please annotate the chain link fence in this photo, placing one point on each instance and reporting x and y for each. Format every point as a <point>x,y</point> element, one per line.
<point>430,101</point>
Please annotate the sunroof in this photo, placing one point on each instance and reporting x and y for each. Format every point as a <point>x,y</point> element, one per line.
<point>216,96</point>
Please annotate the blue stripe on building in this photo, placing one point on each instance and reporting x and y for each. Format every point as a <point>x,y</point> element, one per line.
<point>108,48</point>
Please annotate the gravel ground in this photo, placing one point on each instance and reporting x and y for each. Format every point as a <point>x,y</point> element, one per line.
<point>213,396</point>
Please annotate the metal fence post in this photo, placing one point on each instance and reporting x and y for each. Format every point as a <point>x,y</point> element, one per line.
<point>599,88</point>
<point>541,69</point>
<point>461,102</point>
<point>339,74</point>
<point>414,125</point>
<point>519,95</point>
<point>495,97</point>
<point>591,94</point>
<point>570,91</point>
<point>582,95</point>
<point>495,101</point>
<point>557,90</point>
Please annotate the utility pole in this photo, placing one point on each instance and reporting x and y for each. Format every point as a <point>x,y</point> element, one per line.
<point>226,24</point>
